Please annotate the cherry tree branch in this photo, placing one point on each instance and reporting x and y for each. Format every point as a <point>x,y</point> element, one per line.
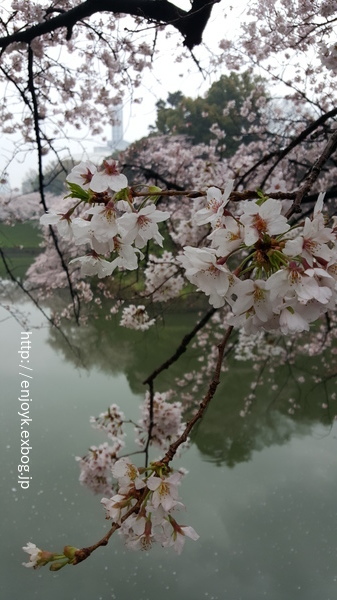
<point>205,402</point>
<point>165,365</point>
<point>300,138</point>
<point>313,175</point>
<point>181,348</point>
<point>35,112</point>
<point>190,24</point>
<point>84,553</point>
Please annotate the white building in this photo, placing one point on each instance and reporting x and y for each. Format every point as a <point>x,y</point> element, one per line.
<point>117,142</point>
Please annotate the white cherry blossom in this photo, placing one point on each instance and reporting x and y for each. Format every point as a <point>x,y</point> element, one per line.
<point>203,271</point>
<point>62,222</point>
<point>136,317</point>
<point>34,555</point>
<point>117,506</point>
<point>127,255</point>
<point>228,238</point>
<point>174,535</point>
<point>252,296</point>
<point>108,178</point>
<point>84,232</point>
<point>103,221</point>
<point>93,264</point>
<point>312,243</point>
<point>262,219</point>
<point>165,490</point>
<point>127,474</point>
<point>82,174</point>
<point>215,204</point>
<point>140,227</point>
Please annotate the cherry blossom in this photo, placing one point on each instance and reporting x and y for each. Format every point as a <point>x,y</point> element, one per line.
<point>268,275</point>
<point>228,238</point>
<point>203,270</point>
<point>140,227</point>
<point>127,474</point>
<point>111,422</point>
<point>216,202</point>
<point>259,220</point>
<point>136,317</point>
<point>175,535</point>
<point>108,178</point>
<point>117,506</point>
<point>167,420</point>
<point>165,490</point>
<point>62,221</point>
<point>82,174</point>
<point>37,557</point>
<point>93,264</point>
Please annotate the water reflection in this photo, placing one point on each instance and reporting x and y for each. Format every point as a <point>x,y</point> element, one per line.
<point>266,524</point>
<point>106,346</point>
<point>223,436</point>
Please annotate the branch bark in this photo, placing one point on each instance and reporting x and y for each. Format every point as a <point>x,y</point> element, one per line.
<point>190,24</point>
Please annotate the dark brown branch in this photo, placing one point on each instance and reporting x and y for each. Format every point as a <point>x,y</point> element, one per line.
<point>181,348</point>
<point>179,351</point>
<point>84,553</point>
<point>300,138</point>
<point>152,174</point>
<point>205,402</point>
<point>190,23</point>
<point>35,111</point>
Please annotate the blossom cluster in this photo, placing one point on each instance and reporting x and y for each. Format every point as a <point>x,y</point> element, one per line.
<point>162,278</point>
<point>113,227</point>
<point>96,466</point>
<point>284,277</point>
<point>157,497</point>
<point>288,273</point>
<point>167,421</point>
<point>136,317</point>
<point>167,426</point>
<point>111,422</point>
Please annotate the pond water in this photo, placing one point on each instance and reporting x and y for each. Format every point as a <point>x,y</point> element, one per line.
<point>261,492</point>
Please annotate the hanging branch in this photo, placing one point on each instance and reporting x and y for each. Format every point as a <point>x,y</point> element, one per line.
<point>31,87</point>
<point>205,402</point>
<point>170,361</point>
<point>84,553</point>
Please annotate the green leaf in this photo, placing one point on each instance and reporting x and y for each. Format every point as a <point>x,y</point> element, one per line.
<point>77,192</point>
<point>123,194</point>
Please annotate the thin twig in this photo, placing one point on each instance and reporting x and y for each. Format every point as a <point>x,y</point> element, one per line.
<point>31,297</point>
<point>313,175</point>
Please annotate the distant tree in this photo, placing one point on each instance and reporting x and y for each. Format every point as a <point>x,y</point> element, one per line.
<point>229,103</point>
<point>54,178</point>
